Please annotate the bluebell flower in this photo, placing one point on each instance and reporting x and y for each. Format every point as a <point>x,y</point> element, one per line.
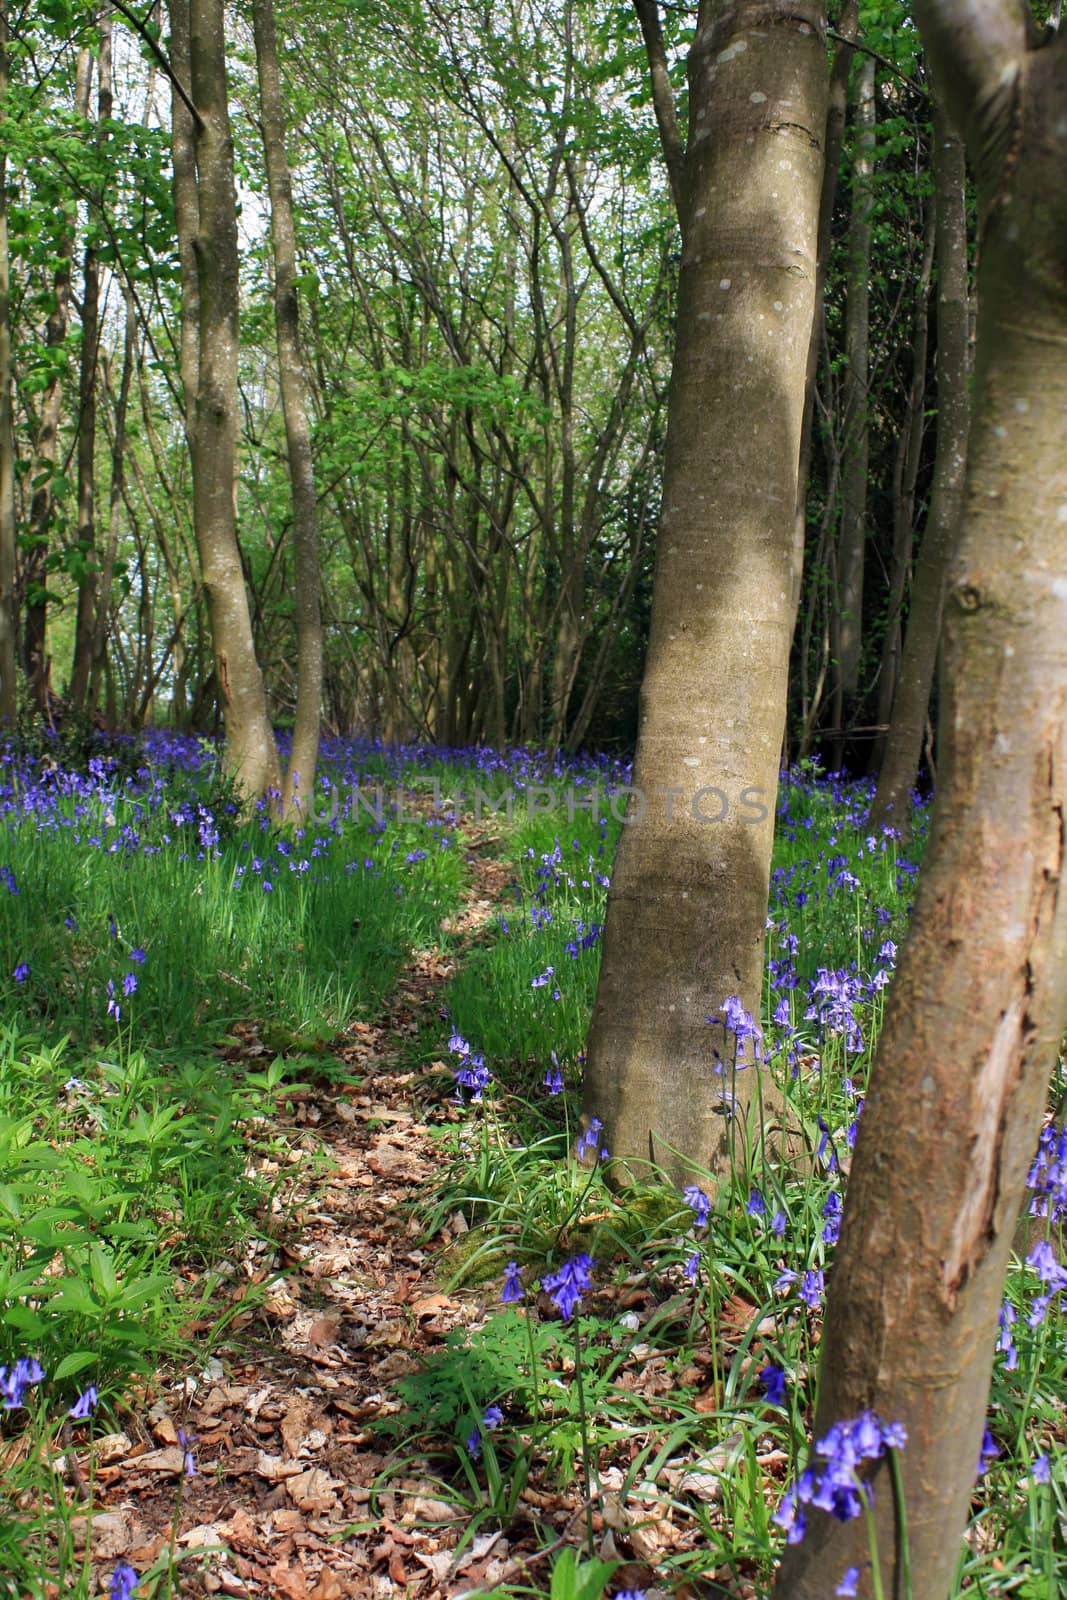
<point>832,1212</point>
<point>129,984</point>
<point>492,1418</point>
<point>778,1224</point>
<point>553,1081</point>
<point>187,1440</point>
<point>14,1382</point>
<point>989,1451</point>
<point>835,1486</point>
<point>848,1583</point>
<point>811,1289</point>
<point>84,1406</point>
<point>566,1287</point>
<point>589,1141</point>
<point>757,1206</point>
<point>138,956</point>
<point>1041,1469</point>
<point>692,1266</point>
<point>22,972</point>
<point>1005,1343</point>
<point>773,1380</point>
<point>123,1581</point>
<point>512,1292</point>
<point>698,1201</point>
<point>630,1594</point>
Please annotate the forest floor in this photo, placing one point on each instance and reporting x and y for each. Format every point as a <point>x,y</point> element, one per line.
<point>288,1498</point>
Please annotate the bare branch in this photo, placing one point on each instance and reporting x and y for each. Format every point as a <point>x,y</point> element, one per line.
<point>663,103</point>
<point>140,27</point>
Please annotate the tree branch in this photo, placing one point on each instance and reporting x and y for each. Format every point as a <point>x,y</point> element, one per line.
<point>883,61</point>
<point>140,28</point>
<point>663,103</point>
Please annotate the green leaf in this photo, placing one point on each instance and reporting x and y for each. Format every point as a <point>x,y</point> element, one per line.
<point>77,1361</point>
<point>572,1580</point>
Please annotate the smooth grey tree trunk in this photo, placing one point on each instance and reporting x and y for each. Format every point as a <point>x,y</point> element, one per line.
<point>251,755</point>
<point>299,788</point>
<point>688,901</point>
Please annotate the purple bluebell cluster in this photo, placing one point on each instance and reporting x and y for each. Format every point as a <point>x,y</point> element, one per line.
<point>1047,1179</point>
<point>17,1381</point>
<point>566,1287</point>
<point>492,1417</point>
<point>472,1072</point>
<point>698,1203</point>
<point>836,1486</point>
<point>123,1581</point>
<point>589,1141</point>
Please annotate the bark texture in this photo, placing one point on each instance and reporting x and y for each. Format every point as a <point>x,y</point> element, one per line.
<point>685,921</point>
<point>300,777</point>
<point>978,1006</point>
<point>904,741</point>
<point>250,752</point>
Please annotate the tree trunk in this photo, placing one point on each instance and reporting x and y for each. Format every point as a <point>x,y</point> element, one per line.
<point>903,747</point>
<point>836,108</point>
<point>977,1010</point>
<point>8,612</point>
<point>300,778</point>
<point>84,627</point>
<point>34,572</point>
<point>118,479</point>
<point>251,756</point>
<point>852,541</point>
<point>186,208</point>
<point>685,921</point>
<point>912,428</point>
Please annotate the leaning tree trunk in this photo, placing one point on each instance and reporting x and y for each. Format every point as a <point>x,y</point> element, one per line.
<point>685,921</point>
<point>300,778</point>
<point>8,611</point>
<point>907,723</point>
<point>978,1006</point>
<point>251,755</point>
